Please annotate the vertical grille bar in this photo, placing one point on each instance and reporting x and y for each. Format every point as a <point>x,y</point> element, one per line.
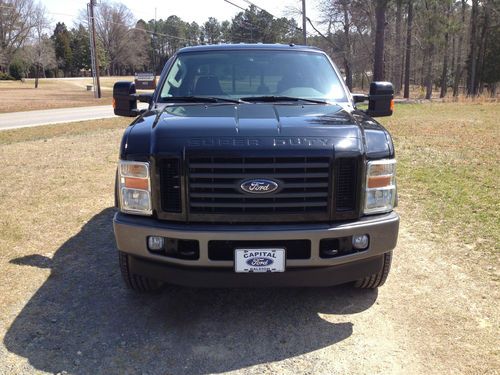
<point>170,182</point>
<point>346,184</point>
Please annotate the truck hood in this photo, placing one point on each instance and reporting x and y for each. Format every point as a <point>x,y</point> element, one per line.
<point>258,126</point>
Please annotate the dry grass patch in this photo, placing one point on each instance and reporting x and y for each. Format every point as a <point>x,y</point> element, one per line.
<point>58,130</point>
<point>16,96</point>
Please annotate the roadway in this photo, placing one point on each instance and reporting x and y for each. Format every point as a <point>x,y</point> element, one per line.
<point>16,120</point>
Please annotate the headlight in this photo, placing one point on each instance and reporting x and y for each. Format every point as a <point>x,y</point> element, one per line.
<point>134,187</point>
<point>380,186</point>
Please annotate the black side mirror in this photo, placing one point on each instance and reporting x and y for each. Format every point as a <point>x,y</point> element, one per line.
<point>381,99</point>
<point>125,99</point>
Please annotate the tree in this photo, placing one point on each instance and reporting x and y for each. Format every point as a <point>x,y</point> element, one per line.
<point>212,31</point>
<point>41,52</point>
<point>62,45</point>
<point>409,31</point>
<point>472,60</point>
<point>79,44</point>
<point>17,22</point>
<point>459,69</point>
<point>398,55</point>
<point>378,63</point>
<point>113,22</point>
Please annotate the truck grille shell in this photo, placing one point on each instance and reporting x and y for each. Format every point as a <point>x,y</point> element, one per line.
<point>313,188</point>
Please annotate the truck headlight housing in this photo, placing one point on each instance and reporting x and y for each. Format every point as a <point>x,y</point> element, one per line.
<point>380,186</point>
<point>134,187</point>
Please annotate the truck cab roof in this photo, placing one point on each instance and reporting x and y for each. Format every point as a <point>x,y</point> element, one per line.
<point>248,46</point>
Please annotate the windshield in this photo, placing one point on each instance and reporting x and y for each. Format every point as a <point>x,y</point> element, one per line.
<point>253,73</point>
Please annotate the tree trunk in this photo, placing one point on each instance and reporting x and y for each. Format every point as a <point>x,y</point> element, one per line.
<point>408,50</point>
<point>453,53</point>
<point>428,74</point>
<point>378,65</point>
<point>444,73</point>
<point>37,74</point>
<point>347,47</point>
<point>398,53</point>
<point>458,69</point>
<point>482,46</point>
<point>472,69</point>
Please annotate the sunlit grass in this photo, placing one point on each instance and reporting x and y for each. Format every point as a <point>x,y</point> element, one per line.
<point>448,172</point>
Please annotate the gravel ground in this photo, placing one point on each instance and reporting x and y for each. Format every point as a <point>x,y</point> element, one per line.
<point>81,320</point>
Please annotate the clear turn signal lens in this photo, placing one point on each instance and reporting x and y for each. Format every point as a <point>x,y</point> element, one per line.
<point>380,193</point>
<point>135,187</point>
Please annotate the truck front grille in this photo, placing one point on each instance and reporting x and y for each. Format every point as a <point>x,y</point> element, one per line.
<point>304,186</point>
<point>170,184</point>
<point>345,184</point>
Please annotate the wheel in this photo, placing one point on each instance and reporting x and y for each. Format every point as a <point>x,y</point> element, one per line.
<point>378,279</point>
<point>133,281</point>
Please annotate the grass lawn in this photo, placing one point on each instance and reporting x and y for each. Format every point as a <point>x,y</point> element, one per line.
<point>16,96</point>
<point>448,173</point>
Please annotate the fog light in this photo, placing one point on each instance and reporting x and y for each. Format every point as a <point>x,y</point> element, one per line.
<point>360,241</point>
<point>155,243</point>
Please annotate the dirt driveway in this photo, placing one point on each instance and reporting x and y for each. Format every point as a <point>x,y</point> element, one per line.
<point>63,307</point>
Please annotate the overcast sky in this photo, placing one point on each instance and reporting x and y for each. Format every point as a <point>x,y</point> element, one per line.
<point>188,10</point>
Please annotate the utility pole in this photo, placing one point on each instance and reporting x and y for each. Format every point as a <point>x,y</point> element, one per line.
<point>93,47</point>
<point>304,21</point>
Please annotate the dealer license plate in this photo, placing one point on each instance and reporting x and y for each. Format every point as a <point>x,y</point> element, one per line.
<point>259,260</point>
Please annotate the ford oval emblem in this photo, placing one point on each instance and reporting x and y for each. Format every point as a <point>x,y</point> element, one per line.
<point>259,186</point>
<point>260,262</point>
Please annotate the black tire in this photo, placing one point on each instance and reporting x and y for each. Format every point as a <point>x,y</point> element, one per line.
<point>137,283</point>
<point>378,279</point>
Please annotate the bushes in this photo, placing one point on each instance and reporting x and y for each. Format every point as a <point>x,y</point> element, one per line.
<point>6,77</point>
<point>16,70</point>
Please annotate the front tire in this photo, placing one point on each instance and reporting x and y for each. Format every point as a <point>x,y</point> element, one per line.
<point>137,283</point>
<point>378,279</point>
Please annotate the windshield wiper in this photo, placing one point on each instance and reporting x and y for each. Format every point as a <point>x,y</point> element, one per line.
<point>273,98</point>
<point>199,99</point>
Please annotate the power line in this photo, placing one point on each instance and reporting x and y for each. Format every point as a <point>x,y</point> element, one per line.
<point>237,6</point>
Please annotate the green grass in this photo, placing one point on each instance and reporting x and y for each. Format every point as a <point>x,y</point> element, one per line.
<point>447,168</point>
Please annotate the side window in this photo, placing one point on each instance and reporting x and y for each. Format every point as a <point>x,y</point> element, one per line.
<point>175,79</point>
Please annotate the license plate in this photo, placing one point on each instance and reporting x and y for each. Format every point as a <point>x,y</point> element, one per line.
<point>259,260</point>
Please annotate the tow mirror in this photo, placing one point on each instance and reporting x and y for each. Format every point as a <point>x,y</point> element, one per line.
<point>381,99</point>
<point>125,99</point>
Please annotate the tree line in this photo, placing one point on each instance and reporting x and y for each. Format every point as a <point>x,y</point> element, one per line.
<point>436,47</point>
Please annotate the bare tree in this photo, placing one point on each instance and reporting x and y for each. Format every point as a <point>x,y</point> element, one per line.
<point>399,55</point>
<point>378,63</point>
<point>42,48</point>
<point>16,25</point>
<point>444,73</point>
<point>113,23</point>
<point>458,68</point>
<point>471,77</point>
<point>409,31</point>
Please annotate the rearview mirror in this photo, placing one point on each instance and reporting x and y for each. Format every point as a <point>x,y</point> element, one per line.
<point>125,99</point>
<point>380,99</point>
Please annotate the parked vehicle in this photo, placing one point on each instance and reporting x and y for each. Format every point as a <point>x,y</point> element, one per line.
<point>253,166</point>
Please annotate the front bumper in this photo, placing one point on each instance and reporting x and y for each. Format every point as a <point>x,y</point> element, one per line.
<point>131,234</point>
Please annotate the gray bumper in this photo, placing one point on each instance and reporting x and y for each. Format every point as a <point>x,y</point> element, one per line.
<point>131,233</point>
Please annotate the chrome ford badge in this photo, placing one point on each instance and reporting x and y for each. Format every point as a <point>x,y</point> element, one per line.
<point>259,186</point>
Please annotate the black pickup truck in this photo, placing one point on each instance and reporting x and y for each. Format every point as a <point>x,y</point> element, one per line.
<point>252,166</point>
